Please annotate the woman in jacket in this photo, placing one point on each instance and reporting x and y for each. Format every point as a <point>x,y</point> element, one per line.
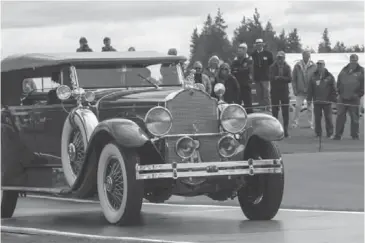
<point>224,76</point>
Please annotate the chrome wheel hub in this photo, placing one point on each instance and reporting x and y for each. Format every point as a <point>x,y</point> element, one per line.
<point>72,151</point>
<point>109,184</point>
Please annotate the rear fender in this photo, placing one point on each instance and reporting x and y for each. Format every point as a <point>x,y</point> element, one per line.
<point>124,132</point>
<point>264,126</point>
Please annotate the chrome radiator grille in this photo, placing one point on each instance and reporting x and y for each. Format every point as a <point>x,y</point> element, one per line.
<point>193,111</point>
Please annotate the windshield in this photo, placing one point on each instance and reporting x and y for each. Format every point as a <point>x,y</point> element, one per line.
<point>130,76</point>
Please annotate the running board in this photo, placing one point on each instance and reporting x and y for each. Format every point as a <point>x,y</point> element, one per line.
<point>55,191</point>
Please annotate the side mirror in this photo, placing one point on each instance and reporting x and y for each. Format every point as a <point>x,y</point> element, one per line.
<point>219,90</point>
<point>63,92</point>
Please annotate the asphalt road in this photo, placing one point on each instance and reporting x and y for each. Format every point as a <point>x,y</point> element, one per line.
<point>327,180</point>
<point>333,181</point>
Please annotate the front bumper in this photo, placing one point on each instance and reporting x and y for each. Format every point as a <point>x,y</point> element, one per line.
<point>205,169</point>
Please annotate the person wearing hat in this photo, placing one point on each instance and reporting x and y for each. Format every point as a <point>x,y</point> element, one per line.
<point>224,76</point>
<point>212,69</point>
<point>84,47</point>
<point>242,70</point>
<point>322,92</point>
<point>280,77</point>
<point>350,86</point>
<point>107,45</point>
<point>262,60</point>
<point>201,78</point>
<point>302,74</point>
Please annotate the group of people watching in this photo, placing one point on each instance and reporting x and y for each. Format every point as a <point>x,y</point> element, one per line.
<point>310,81</point>
<point>84,46</point>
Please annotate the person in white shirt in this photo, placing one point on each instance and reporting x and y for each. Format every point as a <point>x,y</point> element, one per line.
<point>302,74</point>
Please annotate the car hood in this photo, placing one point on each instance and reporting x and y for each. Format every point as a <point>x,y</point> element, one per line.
<point>136,94</point>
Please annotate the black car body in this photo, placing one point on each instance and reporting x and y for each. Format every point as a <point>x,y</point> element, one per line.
<point>129,124</point>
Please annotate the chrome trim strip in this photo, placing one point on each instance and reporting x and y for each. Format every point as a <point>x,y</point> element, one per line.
<point>195,135</point>
<point>176,170</point>
<point>35,189</point>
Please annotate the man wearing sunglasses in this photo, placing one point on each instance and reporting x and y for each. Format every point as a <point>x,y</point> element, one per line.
<point>201,78</point>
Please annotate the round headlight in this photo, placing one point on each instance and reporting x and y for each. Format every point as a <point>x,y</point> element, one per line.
<point>219,89</point>
<point>234,118</point>
<point>227,146</point>
<point>89,96</point>
<point>158,121</point>
<point>63,92</point>
<point>186,146</point>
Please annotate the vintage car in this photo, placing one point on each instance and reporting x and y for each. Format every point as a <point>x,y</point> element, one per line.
<point>124,127</point>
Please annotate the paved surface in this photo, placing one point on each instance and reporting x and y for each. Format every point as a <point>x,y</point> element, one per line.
<point>323,180</point>
<point>302,139</point>
<point>327,180</point>
<point>192,224</point>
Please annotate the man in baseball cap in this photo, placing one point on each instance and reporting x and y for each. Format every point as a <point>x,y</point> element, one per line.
<point>241,68</point>
<point>84,47</point>
<point>280,77</point>
<point>262,60</point>
<point>107,45</point>
<point>350,86</point>
<point>321,92</point>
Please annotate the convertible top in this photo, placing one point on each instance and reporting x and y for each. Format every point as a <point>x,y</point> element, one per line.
<point>36,60</point>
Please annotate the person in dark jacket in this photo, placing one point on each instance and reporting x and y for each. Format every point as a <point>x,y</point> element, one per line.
<point>280,77</point>
<point>200,77</point>
<point>322,91</point>
<point>350,87</point>
<point>107,45</point>
<point>84,47</point>
<point>262,60</point>
<point>224,76</point>
<point>242,70</point>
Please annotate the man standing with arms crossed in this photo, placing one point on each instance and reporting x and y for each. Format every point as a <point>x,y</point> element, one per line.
<point>302,74</point>
<point>262,60</point>
<point>242,69</point>
<point>350,86</point>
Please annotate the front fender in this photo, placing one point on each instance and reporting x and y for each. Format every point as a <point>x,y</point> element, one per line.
<point>125,132</point>
<point>264,126</point>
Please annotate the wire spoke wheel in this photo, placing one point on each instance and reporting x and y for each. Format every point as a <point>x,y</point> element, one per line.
<point>113,183</point>
<point>120,193</point>
<point>76,151</point>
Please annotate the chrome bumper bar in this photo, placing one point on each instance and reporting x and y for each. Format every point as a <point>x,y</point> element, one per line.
<point>204,169</point>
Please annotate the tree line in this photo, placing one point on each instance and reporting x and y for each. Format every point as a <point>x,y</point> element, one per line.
<point>213,39</point>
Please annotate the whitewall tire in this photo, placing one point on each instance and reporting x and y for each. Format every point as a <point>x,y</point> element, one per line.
<point>74,140</point>
<point>120,194</point>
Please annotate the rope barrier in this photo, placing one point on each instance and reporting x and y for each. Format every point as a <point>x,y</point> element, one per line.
<point>318,102</point>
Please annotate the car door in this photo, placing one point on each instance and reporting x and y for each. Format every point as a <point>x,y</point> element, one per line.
<point>49,119</point>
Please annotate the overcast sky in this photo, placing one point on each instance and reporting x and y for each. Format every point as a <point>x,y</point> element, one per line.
<point>34,26</point>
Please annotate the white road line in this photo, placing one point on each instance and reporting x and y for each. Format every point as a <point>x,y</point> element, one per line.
<point>202,206</point>
<point>201,211</point>
<point>11,229</point>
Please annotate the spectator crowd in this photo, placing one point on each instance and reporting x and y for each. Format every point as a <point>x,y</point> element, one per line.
<point>310,80</point>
